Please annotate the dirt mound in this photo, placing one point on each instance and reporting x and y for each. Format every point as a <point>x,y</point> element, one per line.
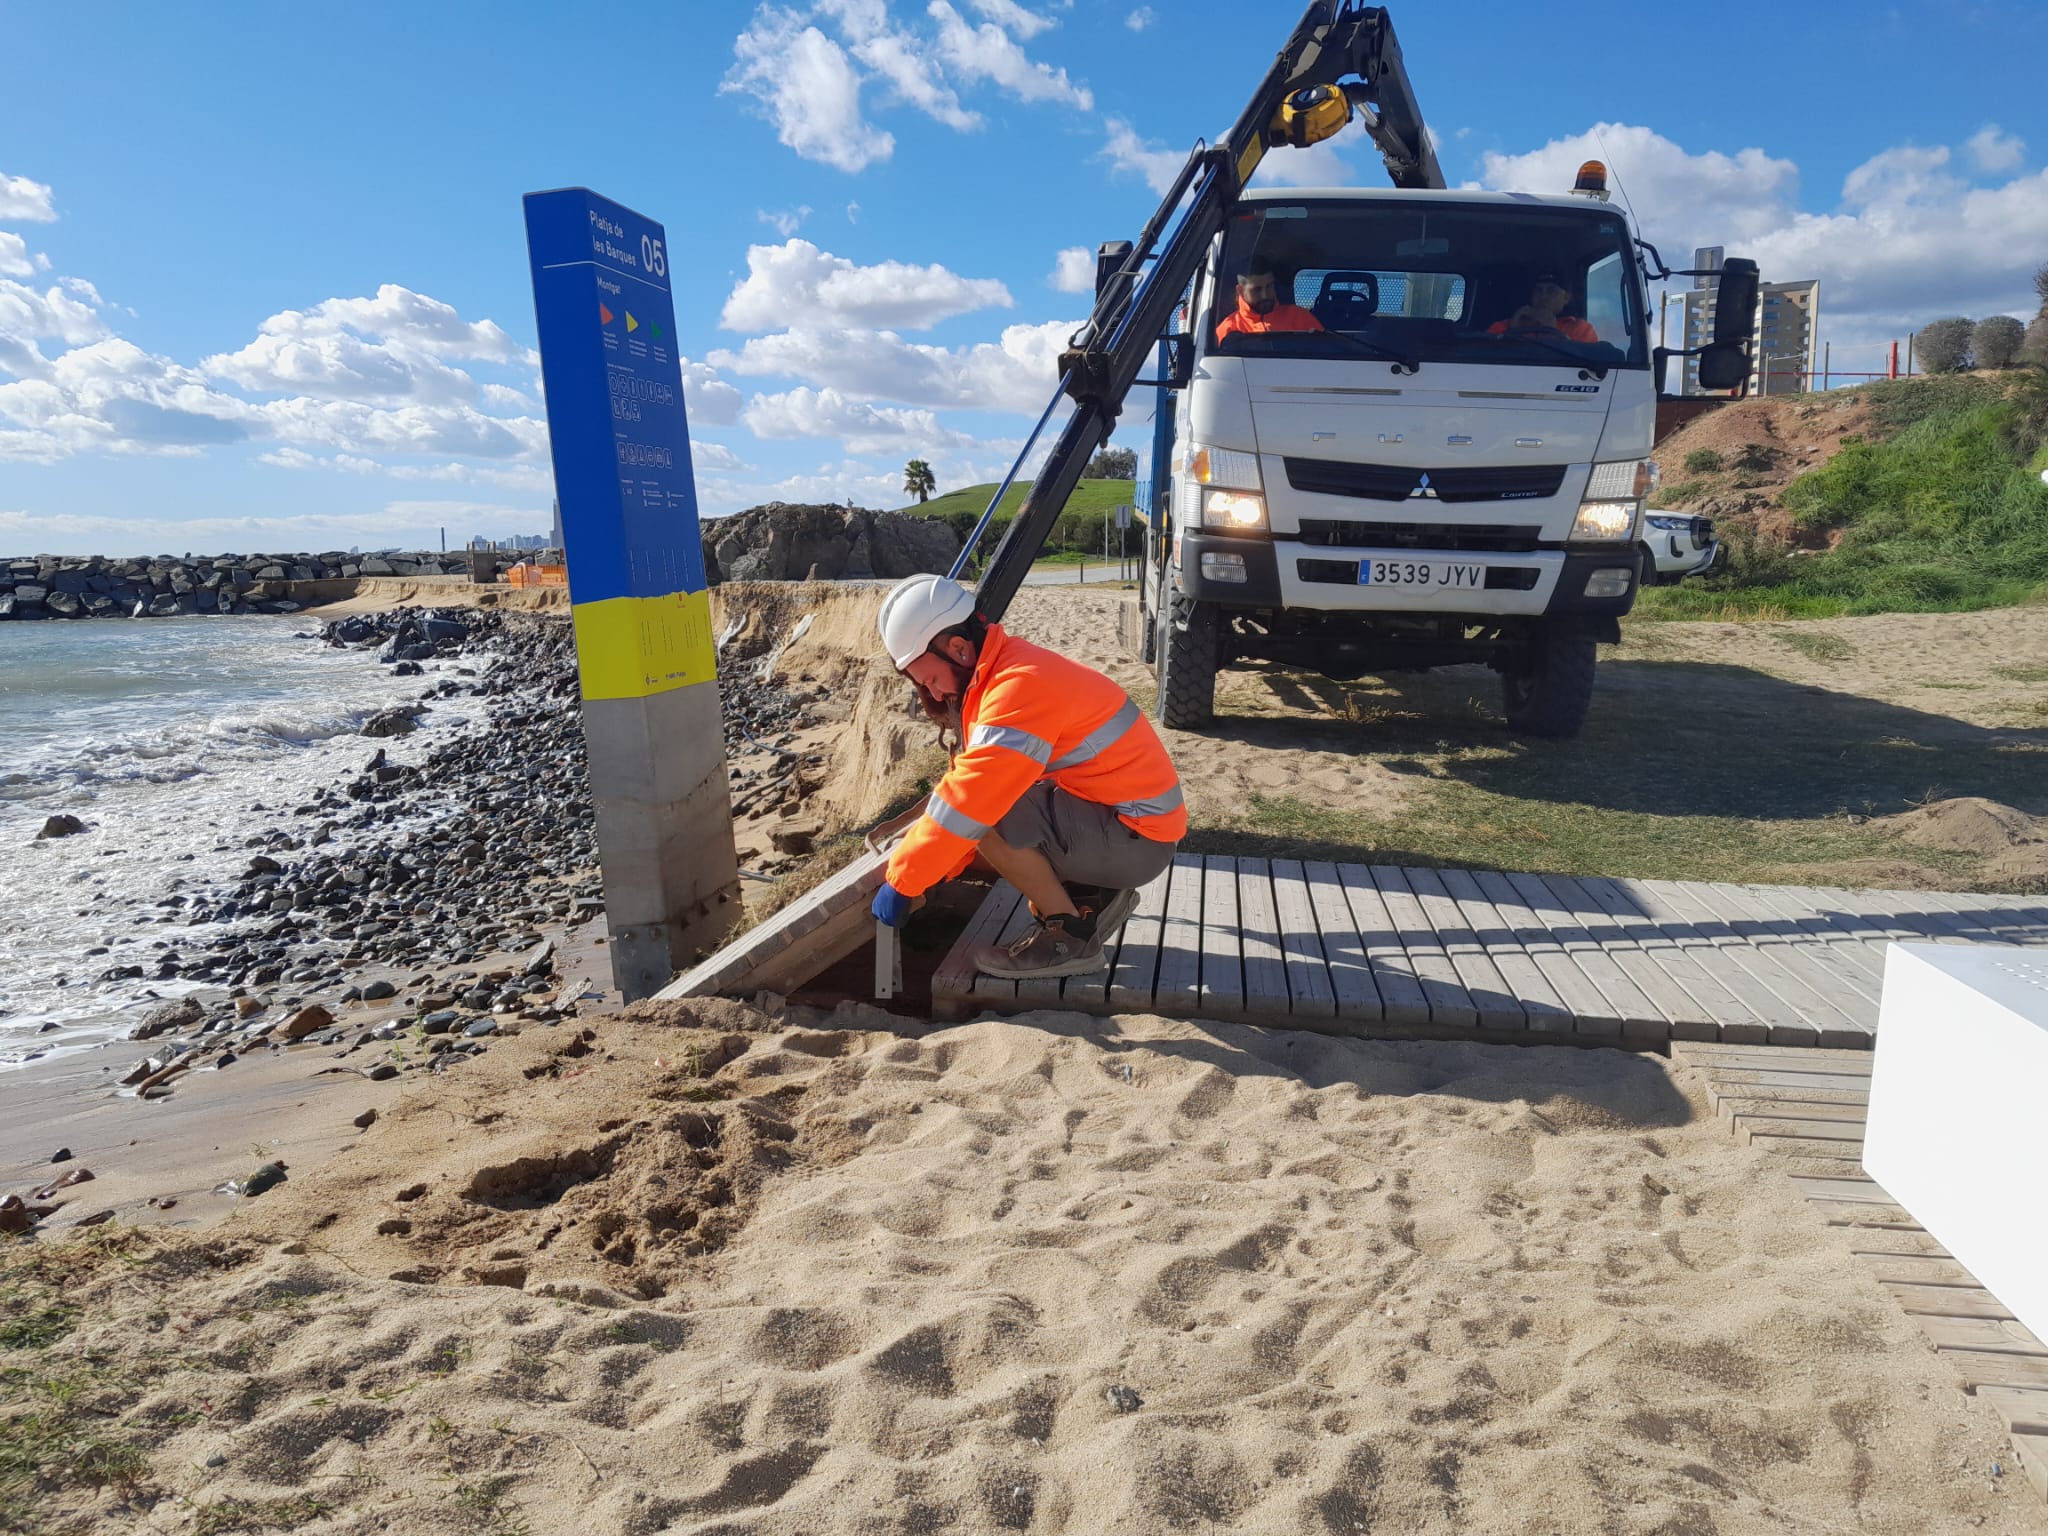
<point>2013,844</point>
<point>1755,449</point>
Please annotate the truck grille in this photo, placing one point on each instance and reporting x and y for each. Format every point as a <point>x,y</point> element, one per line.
<point>1398,482</point>
<point>1500,538</point>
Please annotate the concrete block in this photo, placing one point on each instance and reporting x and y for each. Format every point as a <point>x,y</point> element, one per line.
<point>1958,1129</point>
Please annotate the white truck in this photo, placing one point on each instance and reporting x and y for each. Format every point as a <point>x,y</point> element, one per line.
<point>1399,428</point>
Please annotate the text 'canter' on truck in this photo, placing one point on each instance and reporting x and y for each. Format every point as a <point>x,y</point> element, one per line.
<point>1399,428</point>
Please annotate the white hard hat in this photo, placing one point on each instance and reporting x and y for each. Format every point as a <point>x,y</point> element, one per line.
<point>916,610</point>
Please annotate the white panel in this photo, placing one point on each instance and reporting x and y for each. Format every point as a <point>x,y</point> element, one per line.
<point>1958,1130</point>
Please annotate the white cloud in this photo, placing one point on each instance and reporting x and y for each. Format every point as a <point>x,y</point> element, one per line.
<point>1318,165</point>
<point>849,482</point>
<point>1073,270</point>
<point>1139,19</point>
<point>1992,149</point>
<point>15,260</point>
<point>785,221</point>
<point>400,525</point>
<point>1017,373</point>
<point>31,202</point>
<point>1128,152</point>
<point>1909,239</point>
<point>715,457</point>
<point>710,401</point>
<point>513,477</point>
<point>862,427</point>
<point>796,281</point>
<point>809,88</point>
<point>987,52</point>
<point>916,79</point>
<point>853,213</point>
<point>1012,17</point>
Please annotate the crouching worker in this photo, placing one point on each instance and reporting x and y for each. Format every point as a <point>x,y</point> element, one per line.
<point>1059,782</point>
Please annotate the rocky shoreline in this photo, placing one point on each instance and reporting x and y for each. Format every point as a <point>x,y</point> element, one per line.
<point>406,915</point>
<point>94,586</point>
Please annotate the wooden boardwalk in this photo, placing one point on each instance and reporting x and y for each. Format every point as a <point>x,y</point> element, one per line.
<point>1343,947</point>
<point>1807,1107</point>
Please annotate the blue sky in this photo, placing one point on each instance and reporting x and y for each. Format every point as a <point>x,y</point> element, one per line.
<point>263,278</point>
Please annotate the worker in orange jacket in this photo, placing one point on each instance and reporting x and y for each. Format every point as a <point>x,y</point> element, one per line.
<point>1259,309</point>
<point>1060,782</point>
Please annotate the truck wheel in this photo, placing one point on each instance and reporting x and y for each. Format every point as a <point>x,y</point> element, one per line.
<point>1549,687</point>
<point>1187,664</point>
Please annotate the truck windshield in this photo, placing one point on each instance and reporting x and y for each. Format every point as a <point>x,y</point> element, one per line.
<point>1450,282</point>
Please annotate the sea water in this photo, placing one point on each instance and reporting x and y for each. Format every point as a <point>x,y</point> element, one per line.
<point>163,736</point>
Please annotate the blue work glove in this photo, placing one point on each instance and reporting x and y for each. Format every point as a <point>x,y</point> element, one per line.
<point>891,905</point>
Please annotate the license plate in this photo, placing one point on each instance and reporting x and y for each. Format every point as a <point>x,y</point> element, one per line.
<point>1419,573</point>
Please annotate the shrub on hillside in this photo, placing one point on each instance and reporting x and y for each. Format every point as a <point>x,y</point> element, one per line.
<point>1943,345</point>
<point>1702,461</point>
<point>2034,350</point>
<point>1996,341</point>
<point>1756,457</point>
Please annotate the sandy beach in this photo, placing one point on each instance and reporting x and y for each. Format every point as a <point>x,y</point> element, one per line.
<point>698,1269</point>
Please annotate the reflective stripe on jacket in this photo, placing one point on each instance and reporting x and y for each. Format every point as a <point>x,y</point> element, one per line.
<point>1031,714</point>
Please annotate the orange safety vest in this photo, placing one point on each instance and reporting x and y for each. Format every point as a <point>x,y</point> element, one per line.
<point>1032,714</point>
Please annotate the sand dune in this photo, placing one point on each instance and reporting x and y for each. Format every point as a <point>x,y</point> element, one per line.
<point>1050,1274</point>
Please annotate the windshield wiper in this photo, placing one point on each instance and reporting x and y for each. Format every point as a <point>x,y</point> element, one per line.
<point>1598,370</point>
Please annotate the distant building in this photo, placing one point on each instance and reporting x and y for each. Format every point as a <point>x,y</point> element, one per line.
<point>555,529</point>
<point>480,542</point>
<point>1784,335</point>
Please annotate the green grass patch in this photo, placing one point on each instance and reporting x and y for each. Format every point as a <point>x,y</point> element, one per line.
<point>1819,647</point>
<point>258,1514</point>
<point>32,1321</point>
<point>1077,532</point>
<point>2021,674</point>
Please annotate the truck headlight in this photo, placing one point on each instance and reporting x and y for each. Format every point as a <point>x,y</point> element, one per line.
<point>1226,466</point>
<point>1622,479</point>
<point>1604,522</point>
<point>1233,509</point>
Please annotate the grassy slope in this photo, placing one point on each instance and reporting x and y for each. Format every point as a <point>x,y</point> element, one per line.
<point>1941,510</point>
<point>1091,498</point>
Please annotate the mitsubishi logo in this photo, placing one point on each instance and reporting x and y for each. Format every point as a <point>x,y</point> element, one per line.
<point>1423,489</point>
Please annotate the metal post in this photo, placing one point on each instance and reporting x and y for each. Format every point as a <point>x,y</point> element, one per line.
<point>1827,364</point>
<point>1909,357</point>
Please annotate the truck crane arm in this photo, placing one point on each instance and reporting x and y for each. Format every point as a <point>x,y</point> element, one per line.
<point>1341,60</point>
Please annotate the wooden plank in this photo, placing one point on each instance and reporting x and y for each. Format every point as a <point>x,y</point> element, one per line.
<point>1640,1017</point>
<point>1812,922</point>
<point>1542,1010</point>
<point>1900,922</point>
<point>1137,958</point>
<point>731,969</point>
<point>1180,941</point>
<point>835,937</point>
<point>1402,1000</point>
<point>1590,1011</point>
<point>2023,1411</point>
<point>1222,946</point>
<point>2031,1449</point>
<point>1656,976</point>
<point>1829,993</point>
<point>1970,919</point>
<point>1950,1301</point>
<point>1266,993</point>
<point>1850,1190</point>
<point>1807,1010</point>
<point>1918,1270</point>
<point>1848,1133</point>
<point>1986,1368</point>
<point>1492,1001</point>
<point>953,981</point>
<point>1732,1080</point>
<point>1351,977</point>
<point>1729,1019</point>
<point>1898,1242</point>
<point>1776,1058</point>
<point>1449,1002</point>
<point>1308,974</point>
<point>1001,989</point>
<point>1793,1108</point>
<point>1984,1335</point>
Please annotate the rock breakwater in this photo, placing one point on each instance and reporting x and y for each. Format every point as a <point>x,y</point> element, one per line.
<point>95,586</point>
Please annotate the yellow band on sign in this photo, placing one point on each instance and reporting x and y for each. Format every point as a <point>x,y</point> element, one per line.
<point>631,647</point>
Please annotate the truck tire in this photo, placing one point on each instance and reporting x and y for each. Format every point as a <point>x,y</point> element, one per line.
<point>1549,688</point>
<point>1187,664</point>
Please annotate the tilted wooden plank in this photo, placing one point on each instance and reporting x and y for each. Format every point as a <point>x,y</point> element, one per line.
<point>1351,976</point>
<point>2032,1450</point>
<point>1179,989</point>
<point>2023,1411</point>
<point>1839,1001</point>
<point>1805,1011</point>
<point>1222,943</point>
<point>730,970</point>
<point>1308,973</point>
<point>1541,1007</point>
<point>1900,921</point>
<point>1402,999</point>
<point>1659,977</point>
<point>1743,1010</point>
<point>1812,921</point>
<point>1971,917</point>
<point>1000,989</point>
<point>1591,1013</point>
<point>1449,1002</point>
<point>953,981</point>
<point>1492,999</point>
<point>1982,1368</point>
<point>1985,1335</point>
<point>1137,958</point>
<point>1950,1301</point>
<point>1258,923</point>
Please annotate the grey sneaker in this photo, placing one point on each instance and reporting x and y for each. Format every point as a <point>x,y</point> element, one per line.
<point>1044,949</point>
<point>1114,914</point>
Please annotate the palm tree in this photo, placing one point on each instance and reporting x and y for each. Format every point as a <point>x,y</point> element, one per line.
<point>919,481</point>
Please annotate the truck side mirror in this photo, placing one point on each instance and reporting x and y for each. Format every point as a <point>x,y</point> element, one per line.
<point>1735,302</point>
<point>1723,364</point>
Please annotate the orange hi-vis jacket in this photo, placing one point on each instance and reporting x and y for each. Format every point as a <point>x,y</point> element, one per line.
<point>1030,713</point>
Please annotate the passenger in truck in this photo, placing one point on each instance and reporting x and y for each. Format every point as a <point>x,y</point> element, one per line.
<point>1545,312</point>
<point>1259,309</point>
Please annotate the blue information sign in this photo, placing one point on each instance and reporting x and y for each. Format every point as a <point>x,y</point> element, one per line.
<point>621,445</point>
